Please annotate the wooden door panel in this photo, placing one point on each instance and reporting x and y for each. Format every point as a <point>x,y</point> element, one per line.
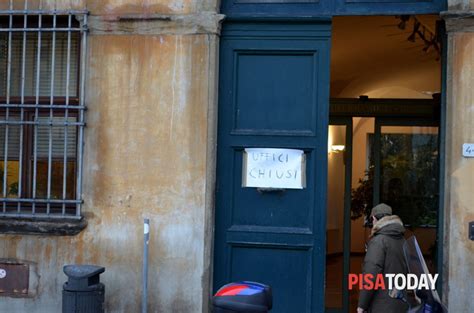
<point>273,93</point>
<point>289,210</point>
<point>305,8</point>
<point>261,104</point>
<point>291,287</point>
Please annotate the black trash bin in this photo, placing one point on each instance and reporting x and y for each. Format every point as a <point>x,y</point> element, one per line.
<point>83,292</point>
<point>243,297</point>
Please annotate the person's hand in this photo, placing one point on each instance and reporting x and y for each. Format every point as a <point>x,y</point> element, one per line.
<point>360,310</point>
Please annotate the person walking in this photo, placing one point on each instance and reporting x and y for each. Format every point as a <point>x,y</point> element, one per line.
<point>384,256</point>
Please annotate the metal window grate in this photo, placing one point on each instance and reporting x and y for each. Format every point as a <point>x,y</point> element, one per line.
<point>42,67</point>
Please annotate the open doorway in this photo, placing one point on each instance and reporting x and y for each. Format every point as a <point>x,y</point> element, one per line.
<point>383,139</point>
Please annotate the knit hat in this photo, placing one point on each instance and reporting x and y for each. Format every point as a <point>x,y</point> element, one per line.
<point>381,208</point>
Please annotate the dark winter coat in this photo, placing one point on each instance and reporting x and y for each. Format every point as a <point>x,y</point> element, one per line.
<point>384,256</point>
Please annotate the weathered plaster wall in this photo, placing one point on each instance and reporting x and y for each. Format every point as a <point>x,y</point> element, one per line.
<point>146,156</point>
<point>149,152</point>
<point>458,4</point>
<point>459,250</point>
<point>118,7</point>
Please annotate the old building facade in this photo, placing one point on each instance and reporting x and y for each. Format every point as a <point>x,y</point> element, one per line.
<point>151,90</point>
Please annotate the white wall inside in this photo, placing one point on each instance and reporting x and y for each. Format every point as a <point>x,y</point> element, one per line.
<point>372,56</point>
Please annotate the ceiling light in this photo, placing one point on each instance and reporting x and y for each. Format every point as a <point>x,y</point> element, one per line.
<point>403,21</point>
<point>402,25</point>
<point>338,148</point>
<point>427,46</point>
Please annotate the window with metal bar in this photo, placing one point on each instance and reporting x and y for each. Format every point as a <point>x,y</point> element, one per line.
<point>42,64</point>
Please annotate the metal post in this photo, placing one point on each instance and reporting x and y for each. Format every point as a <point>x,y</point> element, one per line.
<point>7,115</point>
<point>51,117</point>
<point>22,114</point>
<point>66,114</point>
<point>146,239</point>
<point>35,137</point>
<point>80,140</point>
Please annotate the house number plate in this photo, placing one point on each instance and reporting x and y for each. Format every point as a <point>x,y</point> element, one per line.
<point>468,150</point>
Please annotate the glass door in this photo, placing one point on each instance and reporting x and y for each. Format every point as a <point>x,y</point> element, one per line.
<point>373,160</point>
<point>407,178</point>
<point>338,221</point>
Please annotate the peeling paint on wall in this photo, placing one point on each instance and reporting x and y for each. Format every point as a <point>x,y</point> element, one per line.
<point>146,155</point>
<point>459,173</point>
<point>117,7</point>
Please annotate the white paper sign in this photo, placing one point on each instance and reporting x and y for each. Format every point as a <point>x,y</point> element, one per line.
<point>468,150</point>
<point>274,168</point>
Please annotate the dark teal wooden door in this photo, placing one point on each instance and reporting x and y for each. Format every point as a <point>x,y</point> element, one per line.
<point>300,8</point>
<point>274,84</point>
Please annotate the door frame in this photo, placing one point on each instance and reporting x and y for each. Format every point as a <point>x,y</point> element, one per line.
<point>380,120</point>
<point>346,252</point>
<point>442,149</point>
<point>386,121</point>
<point>313,140</point>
